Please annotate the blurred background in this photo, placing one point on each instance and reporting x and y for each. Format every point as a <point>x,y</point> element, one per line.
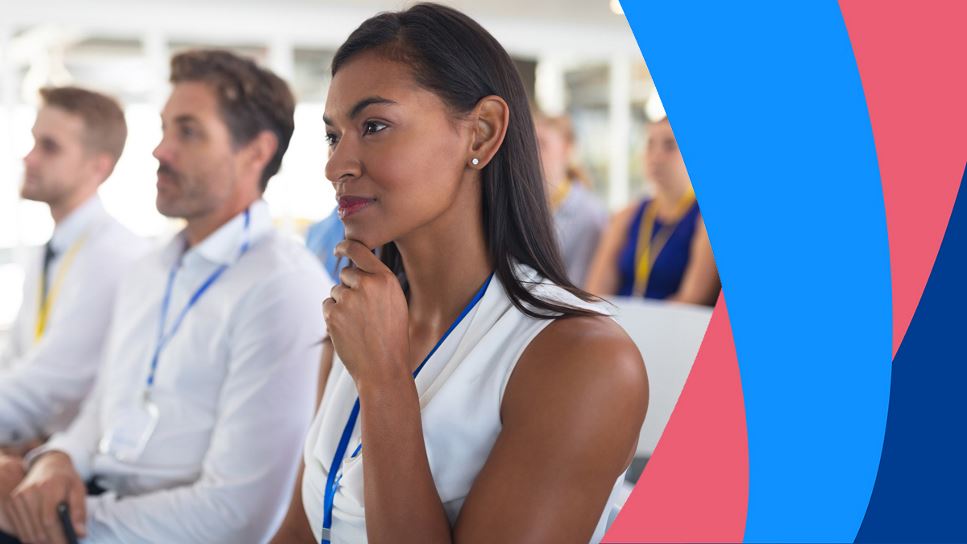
<point>576,56</point>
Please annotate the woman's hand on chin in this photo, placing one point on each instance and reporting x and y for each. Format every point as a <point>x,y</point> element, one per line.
<point>368,319</point>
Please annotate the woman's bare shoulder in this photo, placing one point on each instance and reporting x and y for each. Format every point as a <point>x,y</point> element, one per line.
<point>591,360</point>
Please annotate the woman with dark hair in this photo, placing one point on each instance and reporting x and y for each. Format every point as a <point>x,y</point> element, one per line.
<point>476,394</point>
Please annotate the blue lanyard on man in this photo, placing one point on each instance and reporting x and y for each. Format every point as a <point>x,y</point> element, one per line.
<point>332,479</point>
<point>163,337</point>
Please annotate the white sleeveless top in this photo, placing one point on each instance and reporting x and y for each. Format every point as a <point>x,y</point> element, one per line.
<point>461,389</point>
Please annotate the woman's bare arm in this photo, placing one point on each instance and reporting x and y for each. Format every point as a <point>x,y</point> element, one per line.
<point>571,414</point>
<point>700,284</point>
<point>603,275</point>
<point>325,367</point>
<point>295,527</point>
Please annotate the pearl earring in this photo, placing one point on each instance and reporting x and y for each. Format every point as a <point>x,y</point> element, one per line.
<point>475,161</point>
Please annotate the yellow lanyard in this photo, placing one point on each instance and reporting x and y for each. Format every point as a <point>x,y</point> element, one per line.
<point>646,253</point>
<point>44,303</point>
<point>560,194</point>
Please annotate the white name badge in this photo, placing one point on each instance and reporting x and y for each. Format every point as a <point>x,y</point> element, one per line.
<point>130,431</point>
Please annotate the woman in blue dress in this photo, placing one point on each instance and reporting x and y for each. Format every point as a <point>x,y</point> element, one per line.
<point>658,248</point>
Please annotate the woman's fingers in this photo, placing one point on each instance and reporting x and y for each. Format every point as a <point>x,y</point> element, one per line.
<point>350,276</point>
<point>336,293</point>
<point>360,255</point>
<point>327,306</point>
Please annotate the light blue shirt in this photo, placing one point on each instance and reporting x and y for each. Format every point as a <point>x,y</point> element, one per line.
<point>321,239</point>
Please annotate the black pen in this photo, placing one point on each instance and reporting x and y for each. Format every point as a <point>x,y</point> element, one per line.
<point>64,513</point>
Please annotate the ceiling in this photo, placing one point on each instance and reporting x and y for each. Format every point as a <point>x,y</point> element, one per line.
<point>534,28</point>
<point>581,11</point>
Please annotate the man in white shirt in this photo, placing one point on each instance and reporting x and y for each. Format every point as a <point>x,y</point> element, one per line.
<point>54,348</point>
<point>199,413</point>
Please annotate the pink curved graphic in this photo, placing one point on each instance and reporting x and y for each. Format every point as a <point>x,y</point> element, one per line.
<point>918,111</point>
<point>695,488</point>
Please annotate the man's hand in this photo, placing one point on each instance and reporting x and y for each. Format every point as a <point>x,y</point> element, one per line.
<point>50,481</point>
<point>21,449</point>
<point>11,474</point>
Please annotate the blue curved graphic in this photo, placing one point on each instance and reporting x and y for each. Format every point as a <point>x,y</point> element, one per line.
<point>768,108</point>
<point>919,492</point>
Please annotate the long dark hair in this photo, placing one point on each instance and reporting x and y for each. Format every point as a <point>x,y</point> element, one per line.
<point>452,56</point>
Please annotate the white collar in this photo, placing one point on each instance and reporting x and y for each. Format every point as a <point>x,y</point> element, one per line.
<point>222,247</point>
<point>76,224</point>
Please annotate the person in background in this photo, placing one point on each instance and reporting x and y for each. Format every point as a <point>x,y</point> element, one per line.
<point>194,428</point>
<point>54,348</point>
<point>658,248</point>
<point>476,394</point>
<point>321,239</point>
<point>579,217</point>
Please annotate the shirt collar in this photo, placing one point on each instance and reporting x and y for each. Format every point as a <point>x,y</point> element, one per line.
<point>76,224</point>
<point>223,247</point>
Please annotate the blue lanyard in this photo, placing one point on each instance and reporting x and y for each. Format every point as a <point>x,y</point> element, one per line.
<point>332,480</point>
<point>164,338</point>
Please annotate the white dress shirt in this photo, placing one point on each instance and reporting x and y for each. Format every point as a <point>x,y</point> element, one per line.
<point>42,382</point>
<point>234,387</point>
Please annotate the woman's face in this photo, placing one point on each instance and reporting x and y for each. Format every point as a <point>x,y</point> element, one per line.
<point>663,160</point>
<point>397,156</point>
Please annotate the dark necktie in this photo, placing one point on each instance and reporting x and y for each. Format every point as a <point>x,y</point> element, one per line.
<point>49,255</point>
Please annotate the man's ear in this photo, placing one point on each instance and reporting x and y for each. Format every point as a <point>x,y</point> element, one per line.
<point>489,120</point>
<point>102,165</point>
<point>260,151</point>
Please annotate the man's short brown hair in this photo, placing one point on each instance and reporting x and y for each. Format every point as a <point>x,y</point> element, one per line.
<point>252,99</point>
<point>104,128</point>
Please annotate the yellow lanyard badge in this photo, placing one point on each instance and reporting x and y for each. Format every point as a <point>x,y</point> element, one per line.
<point>46,301</point>
<point>647,253</point>
<point>560,194</point>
